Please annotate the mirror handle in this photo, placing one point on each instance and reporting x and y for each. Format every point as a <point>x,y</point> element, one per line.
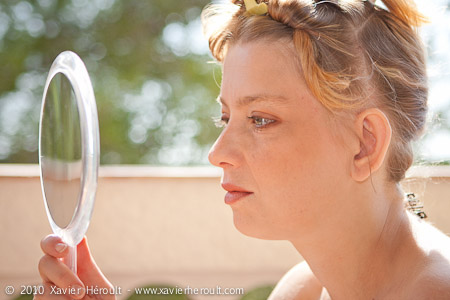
<point>71,259</point>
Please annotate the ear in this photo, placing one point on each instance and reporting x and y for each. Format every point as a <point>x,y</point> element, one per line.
<point>374,132</point>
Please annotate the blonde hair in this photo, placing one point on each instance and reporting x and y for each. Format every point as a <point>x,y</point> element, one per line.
<point>349,52</point>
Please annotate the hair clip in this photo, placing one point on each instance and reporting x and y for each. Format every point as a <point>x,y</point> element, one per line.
<point>415,206</point>
<point>254,8</point>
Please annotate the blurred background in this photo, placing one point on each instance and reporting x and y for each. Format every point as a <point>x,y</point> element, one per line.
<point>153,78</point>
<point>148,62</point>
<point>155,85</point>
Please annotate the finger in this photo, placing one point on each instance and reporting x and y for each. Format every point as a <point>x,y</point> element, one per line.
<point>85,259</point>
<point>51,292</point>
<point>54,271</point>
<point>54,246</point>
<point>87,268</point>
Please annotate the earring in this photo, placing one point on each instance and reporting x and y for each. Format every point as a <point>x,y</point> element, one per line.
<point>415,206</point>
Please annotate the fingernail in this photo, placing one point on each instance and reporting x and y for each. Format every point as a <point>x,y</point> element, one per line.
<point>60,247</point>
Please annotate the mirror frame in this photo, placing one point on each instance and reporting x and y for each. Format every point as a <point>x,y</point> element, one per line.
<point>70,65</point>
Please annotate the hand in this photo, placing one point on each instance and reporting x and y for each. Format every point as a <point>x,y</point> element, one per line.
<point>56,276</point>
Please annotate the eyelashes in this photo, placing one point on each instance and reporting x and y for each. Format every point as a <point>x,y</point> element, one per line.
<point>220,122</point>
<point>258,122</point>
<point>261,122</point>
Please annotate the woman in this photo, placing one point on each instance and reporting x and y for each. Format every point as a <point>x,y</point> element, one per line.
<point>320,102</point>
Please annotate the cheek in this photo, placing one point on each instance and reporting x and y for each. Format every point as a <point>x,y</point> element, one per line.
<point>300,160</point>
<point>297,178</point>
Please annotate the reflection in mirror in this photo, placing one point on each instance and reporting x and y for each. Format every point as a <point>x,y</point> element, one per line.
<point>61,151</point>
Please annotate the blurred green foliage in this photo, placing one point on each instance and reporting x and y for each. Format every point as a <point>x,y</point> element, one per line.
<point>259,293</point>
<point>24,297</point>
<point>154,86</point>
<point>147,60</point>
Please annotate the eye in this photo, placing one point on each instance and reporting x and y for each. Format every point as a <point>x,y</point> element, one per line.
<point>221,121</point>
<point>261,122</point>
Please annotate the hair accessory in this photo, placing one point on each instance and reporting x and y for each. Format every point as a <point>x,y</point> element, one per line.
<point>415,206</point>
<point>254,8</point>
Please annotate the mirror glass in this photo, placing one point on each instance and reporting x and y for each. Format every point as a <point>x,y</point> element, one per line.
<point>61,150</point>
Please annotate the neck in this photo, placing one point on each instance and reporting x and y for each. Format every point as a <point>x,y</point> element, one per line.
<point>364,255</point>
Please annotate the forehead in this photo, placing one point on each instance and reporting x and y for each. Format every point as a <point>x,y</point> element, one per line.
<point>263,55</point>
<point>269,70</point>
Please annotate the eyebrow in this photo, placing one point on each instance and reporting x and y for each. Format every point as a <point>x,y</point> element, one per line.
<point>270,99</point>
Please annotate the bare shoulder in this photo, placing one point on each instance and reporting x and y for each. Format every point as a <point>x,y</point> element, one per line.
<point>299,283</point>
<point>433,282</point>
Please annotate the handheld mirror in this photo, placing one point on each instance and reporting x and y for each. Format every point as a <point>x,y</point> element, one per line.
<point>69,150</point>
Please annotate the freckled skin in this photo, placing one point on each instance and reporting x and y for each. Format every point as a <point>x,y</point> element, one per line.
<point>286,164</point>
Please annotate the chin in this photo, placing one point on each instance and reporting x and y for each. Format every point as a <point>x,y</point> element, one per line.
<point>249,227</point>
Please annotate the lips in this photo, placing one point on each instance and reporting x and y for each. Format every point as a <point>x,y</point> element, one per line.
<point>235,193</point>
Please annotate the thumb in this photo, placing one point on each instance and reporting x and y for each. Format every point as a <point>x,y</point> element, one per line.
<point>87,269</point>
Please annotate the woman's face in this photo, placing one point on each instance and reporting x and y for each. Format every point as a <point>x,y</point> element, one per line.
<point>282,162</point>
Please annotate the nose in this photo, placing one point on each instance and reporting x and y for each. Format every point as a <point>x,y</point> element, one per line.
<point>225,151</point>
